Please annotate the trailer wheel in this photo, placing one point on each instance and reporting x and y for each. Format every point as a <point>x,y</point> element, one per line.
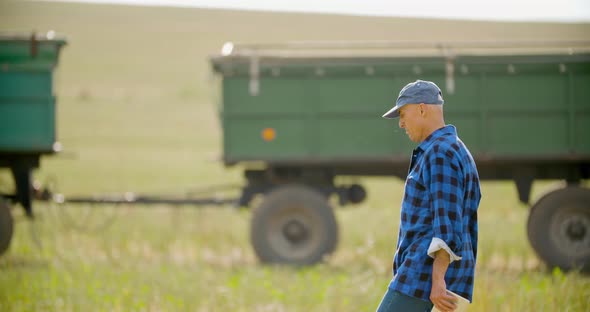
<point>294,225</point>
<point>559,228</point>
<point>6,226</point>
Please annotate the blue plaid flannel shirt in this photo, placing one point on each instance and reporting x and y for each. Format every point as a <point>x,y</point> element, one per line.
<point>441,198</point>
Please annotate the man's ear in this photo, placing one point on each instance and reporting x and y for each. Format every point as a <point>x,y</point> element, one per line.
<point>422,108</point>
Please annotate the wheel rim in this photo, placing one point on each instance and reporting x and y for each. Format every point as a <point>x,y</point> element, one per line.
<point>570,232</point>
<point>294,233</point>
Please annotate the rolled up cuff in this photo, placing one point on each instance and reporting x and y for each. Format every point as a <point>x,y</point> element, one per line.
<point>437,244</point>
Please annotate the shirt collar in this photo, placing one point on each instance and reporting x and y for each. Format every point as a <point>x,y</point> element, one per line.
<point>446,130</point>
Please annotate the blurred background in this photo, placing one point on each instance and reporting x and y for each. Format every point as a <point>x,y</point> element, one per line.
<point>138,110</point>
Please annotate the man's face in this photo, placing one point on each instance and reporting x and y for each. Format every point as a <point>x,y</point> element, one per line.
<point>410,119</point>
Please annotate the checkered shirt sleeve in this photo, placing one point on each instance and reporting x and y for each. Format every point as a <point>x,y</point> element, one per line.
<point>445,183</point>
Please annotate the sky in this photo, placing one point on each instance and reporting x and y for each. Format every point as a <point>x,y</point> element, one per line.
<point>495,10</point>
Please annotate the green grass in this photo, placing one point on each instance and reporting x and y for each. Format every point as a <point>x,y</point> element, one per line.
<point>137,113</point>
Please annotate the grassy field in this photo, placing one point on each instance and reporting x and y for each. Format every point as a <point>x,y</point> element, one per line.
<point>137,112</point>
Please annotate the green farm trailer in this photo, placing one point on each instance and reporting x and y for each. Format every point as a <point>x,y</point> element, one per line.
<point>27,115</point>
<point>298,115</point>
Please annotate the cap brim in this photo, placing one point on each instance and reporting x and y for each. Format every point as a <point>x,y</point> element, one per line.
<point>392,113</point>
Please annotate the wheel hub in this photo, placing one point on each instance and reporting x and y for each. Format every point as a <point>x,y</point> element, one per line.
<point>575,228</point>
<point>572,233</point>
<point>295,231</point>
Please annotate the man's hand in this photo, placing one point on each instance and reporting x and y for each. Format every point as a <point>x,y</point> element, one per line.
<point>442,300</point>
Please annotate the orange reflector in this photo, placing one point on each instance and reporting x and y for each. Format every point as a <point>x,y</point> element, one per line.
<point>269,134</point>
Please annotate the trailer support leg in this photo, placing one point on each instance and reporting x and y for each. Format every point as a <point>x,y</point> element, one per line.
<point>523,186</point>
<point>24,188</point>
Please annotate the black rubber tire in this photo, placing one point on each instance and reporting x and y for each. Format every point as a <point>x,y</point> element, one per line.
<point>559,228</point>
<point>6,226</point>
<point>293,225</point>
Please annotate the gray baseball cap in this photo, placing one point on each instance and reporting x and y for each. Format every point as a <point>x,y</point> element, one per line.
<point>417,92</point>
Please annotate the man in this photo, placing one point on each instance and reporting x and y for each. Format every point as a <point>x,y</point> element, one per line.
<point>437,242</point>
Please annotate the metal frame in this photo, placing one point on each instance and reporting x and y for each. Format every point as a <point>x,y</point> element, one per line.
<point>446,48</point>
<point>255,54</point>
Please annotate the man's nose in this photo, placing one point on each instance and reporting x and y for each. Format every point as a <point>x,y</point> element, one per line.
<point>401,124</point>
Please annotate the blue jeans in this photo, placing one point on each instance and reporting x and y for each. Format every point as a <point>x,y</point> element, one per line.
<point>394,301</point>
